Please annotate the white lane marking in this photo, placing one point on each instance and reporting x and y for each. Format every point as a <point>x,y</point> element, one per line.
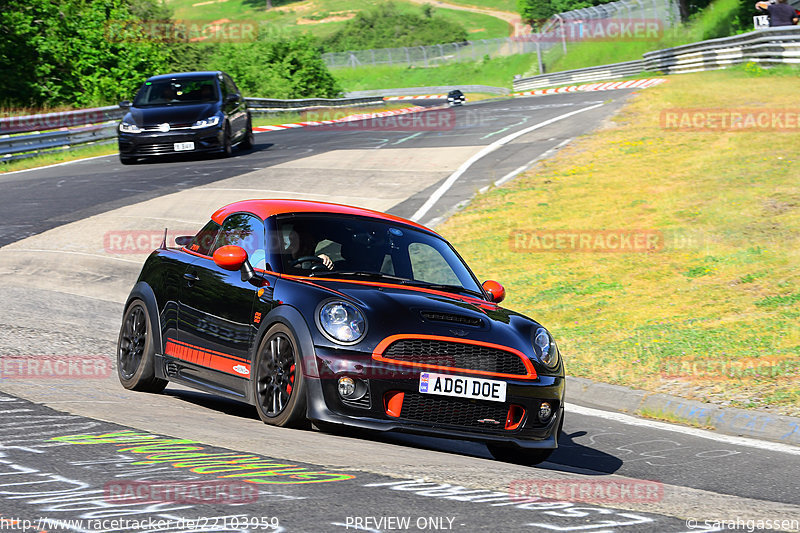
<point>438,193</point>
<point>404,139</point>
<point>514,173</point>
<point>54,165</point>
<point>694,432</point>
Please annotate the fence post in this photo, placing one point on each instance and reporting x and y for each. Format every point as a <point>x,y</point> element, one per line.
<point>408,56</point>
<point>539,54</point>
<point>424,56</point>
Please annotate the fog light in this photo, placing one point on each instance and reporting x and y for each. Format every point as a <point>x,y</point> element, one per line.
<point>544,411</point>
<point>347,387</point>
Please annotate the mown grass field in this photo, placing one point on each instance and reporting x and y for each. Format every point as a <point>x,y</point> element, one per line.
<point>321,17</point>
<point>711,316</point>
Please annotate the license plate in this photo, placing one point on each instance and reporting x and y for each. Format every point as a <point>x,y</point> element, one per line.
<point>182,147</point>
<point>462,387</point>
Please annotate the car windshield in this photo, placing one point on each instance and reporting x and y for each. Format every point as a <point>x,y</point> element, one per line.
<point>177,92</point>
<point>347,247</point>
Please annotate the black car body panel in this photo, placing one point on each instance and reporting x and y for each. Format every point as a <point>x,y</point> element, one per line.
<point>158,125</point>
<point>210,323</point>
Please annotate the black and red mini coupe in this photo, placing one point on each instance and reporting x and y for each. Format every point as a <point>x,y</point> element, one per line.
<point>343,316</point>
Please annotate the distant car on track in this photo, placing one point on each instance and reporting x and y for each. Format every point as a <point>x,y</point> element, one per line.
<point>345,317</point>
<point>185,113</point>
<point>456,97</point>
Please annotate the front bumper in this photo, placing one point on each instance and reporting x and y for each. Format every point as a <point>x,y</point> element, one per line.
<point>514,421</point>
<point>154,143</point>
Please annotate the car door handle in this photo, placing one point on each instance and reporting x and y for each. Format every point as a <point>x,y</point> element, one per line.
<point>191,277</point>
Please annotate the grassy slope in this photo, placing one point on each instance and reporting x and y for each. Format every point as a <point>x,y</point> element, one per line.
<point>708,24</point>
<point>286,15</point>
<point>497,72</point>
<point>725,290</point>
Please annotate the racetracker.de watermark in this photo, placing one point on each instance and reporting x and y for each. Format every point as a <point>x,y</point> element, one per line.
<point>715,119</point>
<point>51,121</point>
<point>431,120</point>
<point>589,491</point>
<point>181,31</point>
<point>587,241</point>
<point>722,369</point>
<point>209,491</point>
<point>611,29</point>
<point>55,367</point>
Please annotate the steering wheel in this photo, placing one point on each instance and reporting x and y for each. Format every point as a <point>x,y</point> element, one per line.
<point>319,264</point>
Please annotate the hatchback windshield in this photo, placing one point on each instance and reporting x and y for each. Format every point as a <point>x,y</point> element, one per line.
<point>368,249</point>
<point>176,92</point>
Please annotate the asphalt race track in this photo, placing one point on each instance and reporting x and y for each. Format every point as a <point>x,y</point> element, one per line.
<point>73,239</point>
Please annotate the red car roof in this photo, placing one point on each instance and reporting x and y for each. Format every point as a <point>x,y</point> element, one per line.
<point>266,208</point>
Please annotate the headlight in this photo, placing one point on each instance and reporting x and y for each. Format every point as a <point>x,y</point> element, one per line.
<point>127,127</point>
<point>206,122</point>
<point>342,322</point>
<point>545,348</point>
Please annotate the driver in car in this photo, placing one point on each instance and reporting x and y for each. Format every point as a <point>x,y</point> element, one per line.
<point>303,243</point>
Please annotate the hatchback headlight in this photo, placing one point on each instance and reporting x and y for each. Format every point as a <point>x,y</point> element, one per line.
<point>127,127</point>
<point>342,322</point>
<point>545,348</point>
<point>206,122</point>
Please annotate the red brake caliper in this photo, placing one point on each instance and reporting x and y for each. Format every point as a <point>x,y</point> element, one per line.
<point>291,380</point>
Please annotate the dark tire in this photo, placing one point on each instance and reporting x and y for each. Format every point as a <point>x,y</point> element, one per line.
<point>518,456</point>
<point>125,160</point>
<point>279,388</point>
<point>249,138</point>
<point>136,351</point>
<point>227,146</point>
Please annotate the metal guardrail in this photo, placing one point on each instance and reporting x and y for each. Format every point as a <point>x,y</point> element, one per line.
<point>438,89</point>
<point>581,75</point>
<point>31,135</point>
<point>271,105</point>
<point>769,46</point>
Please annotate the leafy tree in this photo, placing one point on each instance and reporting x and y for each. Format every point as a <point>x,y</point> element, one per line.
<point>277,68</point>
<point>387,26</point>
<point>75,52</point>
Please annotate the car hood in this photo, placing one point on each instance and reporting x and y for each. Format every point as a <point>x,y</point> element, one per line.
<point>391,310</point>
<point>149,116</point>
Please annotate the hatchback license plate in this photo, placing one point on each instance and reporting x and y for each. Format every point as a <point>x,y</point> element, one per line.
<point>462,387</point>
<point>182,147</point>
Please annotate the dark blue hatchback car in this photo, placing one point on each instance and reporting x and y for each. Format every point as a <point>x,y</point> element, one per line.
<point>185,113</point>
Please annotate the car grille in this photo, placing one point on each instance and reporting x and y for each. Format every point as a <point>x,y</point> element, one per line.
<point>451,318</point>
<point>454,412</point>
<point>156,148</point>
<point>457,355</point>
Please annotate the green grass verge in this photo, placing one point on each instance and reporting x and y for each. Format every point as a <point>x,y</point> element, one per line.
<point>497,72</point>
<point>714,314</point>
<point>712,22</point>
<point>52,158</point>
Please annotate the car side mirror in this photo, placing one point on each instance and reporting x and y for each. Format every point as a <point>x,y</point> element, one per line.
<point>230,257</point>
<point>232,99</point>
<point>183,240</point>
<point>234,258</point>
<point>125,104</point>
<point>496,292</point>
